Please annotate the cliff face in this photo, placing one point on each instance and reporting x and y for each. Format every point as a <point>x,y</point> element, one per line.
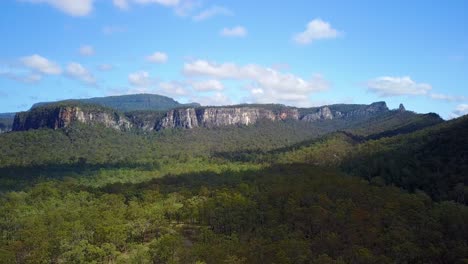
<point>323,113</point>
<point>222,116</point>
<point>65,116</point>
<point>188,118</point>
<point>62,116</point>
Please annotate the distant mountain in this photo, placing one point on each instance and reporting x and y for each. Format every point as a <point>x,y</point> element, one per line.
<point>127,103</point>
<point>66,113</point>
<point>6,121</point>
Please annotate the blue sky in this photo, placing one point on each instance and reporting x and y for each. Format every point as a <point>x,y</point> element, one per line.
<point>302,53</point>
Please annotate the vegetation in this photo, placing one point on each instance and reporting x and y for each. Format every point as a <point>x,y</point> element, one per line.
<point>285,214</point>
<point>127,103</point>
<point>273,192</point>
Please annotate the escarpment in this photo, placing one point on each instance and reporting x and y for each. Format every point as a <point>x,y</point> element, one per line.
<point>56,117</point>
<point>222,116</point>
<point>62,116</point>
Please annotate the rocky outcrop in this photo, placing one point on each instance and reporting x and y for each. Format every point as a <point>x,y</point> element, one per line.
<point>65,116</point>
<point>188,118</point>
<point>62,116</point>
<point>179,118</point>
<point>323,113</point>
<point>360,111</point>
<point>401,108</point>
<point>4,129</point>
<point>222,116</point>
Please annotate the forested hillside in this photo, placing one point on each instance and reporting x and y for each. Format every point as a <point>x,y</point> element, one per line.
<point>126,103</point>
<point>271,192</point>
<point>285,214</point>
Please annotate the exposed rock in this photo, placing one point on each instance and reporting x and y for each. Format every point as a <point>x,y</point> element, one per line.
<point>401,108</point>
<point>222,116</point>
<point>179,118</point>
<point>61,116</point>
<point>65,116</point>
<point>4,130</point>
<point>366,110</point>
<point>323,113</point>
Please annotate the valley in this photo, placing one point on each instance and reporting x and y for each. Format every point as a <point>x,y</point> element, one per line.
<point>88,183</point>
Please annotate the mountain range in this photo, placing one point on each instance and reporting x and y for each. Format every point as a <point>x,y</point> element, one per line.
<point>141,178</point>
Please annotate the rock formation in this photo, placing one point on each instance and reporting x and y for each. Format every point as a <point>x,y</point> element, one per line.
<point>62,116</point>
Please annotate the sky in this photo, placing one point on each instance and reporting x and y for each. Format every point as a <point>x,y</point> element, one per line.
<point>298,53</point>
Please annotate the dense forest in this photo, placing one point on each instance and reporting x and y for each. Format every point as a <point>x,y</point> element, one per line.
<point>126,103</point>
<point>390,188</point>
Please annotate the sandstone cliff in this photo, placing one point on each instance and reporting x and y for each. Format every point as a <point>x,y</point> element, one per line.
<point>188,118</point>
<point>222,116</point>
<point>64,116</point>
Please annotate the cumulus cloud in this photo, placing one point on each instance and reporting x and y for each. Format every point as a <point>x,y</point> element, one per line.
<point>264,84</point>
<point>448,98</point>
<point>316,29</point>
<point>397,86</point>
<point>208,85</point>
<point>140,79</point>
<point>70,7</point>
<point>172,88</point>
<point>237,31</point>
<point>160,2</point>
<point>214,99</point>
<point>212,12</point>
<point>40,64</point>
<point>86,50</point>
<point>125,4</point>
<point>157,57</point>
<point>78,72</point>
<point>122,4</point>
<point>21,77</point>
<point>460,110</point>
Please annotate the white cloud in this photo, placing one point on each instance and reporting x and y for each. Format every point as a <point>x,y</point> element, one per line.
<point>122,4</point>
<point>208,85</point>
<point>105,67</point>
<point>215,99</point>
<point>78,72</point>
<point>211,12</point>
<point>70,7</point>
<point>157,57</point>
<point>21,77</point>
<point>397,86</point>
<point>316,29</point>
<point>448,98</point>
<point>237,31</point>
<point>460,110</point>
<point>40,64</point>
<point>172,88</point>
<point>86,50</point>
<point>160,2</point>
<point>265,84</point>
<point>140,79</point>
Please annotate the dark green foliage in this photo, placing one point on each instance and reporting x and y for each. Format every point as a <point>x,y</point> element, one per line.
<point>395,123</point>
<point>284,214</point>
<point>434,160</point>
<point>273,192</point>
<point>126,103</point>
